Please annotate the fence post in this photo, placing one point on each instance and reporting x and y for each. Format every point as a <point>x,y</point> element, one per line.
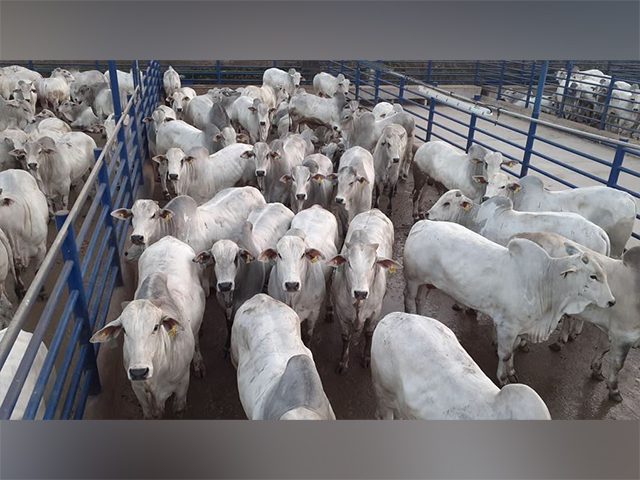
<point>501,80</point>
<point>275,64</point>
<point>30,64</point>
<point>432,111</point>
<point>218,72</point>
<point>117,113</point>
<point>427,78</point>
<point>617,163</point>
<point>139,157</point>
<point>564,90</point>
<point>607,100</point>
<point>531,77</point>
<point>526,158</point>
<point>472,130</point>
<point>342,67</point>
<point>97,64</point>
<point>358,81</point>
<point>401,91</point>
<point>475,74</point>
<point>106,200</point>
<point>377,87</point>
<point>134,73</point>
<point>69,252</point>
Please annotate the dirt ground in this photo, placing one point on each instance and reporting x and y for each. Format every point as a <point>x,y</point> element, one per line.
<point>562,379</point>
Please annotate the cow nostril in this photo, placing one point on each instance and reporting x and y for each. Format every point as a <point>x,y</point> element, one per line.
<point>301,196</point>
<point>262,124</point>
<point>33,166</point>
<point>339,200</point>
<point>611,303</point>
<point>292,286</point>
<point>173,176</point>
<point>396,160</point>
<point>335,128</point>
<point>224,286</point>
<point>137,239</point>
<point>360,295</point>
<point>260,173</point>
<point>138,373</point>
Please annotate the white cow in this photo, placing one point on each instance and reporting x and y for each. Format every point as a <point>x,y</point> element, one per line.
<point>496,220</point>
<point>611,209</point>
<point>26,90</point>
<point>275,161</point>
<point>56,165</point>
<point>520,287</point>
<point>12,75</point>
<point>54,90</point>
<point>161,327</point>
<point>6,269</point>
<point>384,109</point>
<point>239,276</point>
<point>360,279</point>
<point>203,110</point>
<point>277,377</point>
<point>80,116</point>
<point>620,323</point>
<point>326,85</point>
<point>180,99</point>
<point>299,276</point>
<point>448,166</point>
<point>10,139</point>
<point>252,116</point>
<point>10,369</point>
<point>387,160</point>
<point>15,114</point>
<point>267,94</point>
<point>316,111</point>
<point>198,226</point>
<point>288,81</point>
<point>24,220</point>
<point>420,371</point>
<point>179,134</point>
<point>355,177</point>
<point>93,79</point>
<point>170,82</point>
<point>309,185</point>
<point>157,118</point>
<point>125,82</point>
<point>203,178</point>
<point>47,126</point>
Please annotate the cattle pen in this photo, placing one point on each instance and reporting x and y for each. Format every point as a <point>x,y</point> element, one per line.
<point>86,275</point>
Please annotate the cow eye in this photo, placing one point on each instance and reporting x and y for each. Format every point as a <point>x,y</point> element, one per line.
<point>279,256</point>
<point>351,183</point>
<point>124,331</point>
<point>593,277</point>
<point>502,187</point>
<point>155,329</point>
<point>445,204</point>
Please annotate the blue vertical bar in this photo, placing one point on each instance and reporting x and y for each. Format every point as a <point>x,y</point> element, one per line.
<point>501,80</point>
<point>30,64</point>
<point>275,63</point>
<point>526,158</point>
<point>377,87</point>
<point>531,77</point>
<point>472,130</point>
<point>401,91</point>
<point>358,81</point>
<point>607,100</point>
<point>117,113</point>
<point>432,111</point>
<point>615,166</point>
<point>342,67</point>
<point>427,78</point>
<point>218,72</point>
<point>566,86</point>
<point>75,282</point>
<point>97,64</point>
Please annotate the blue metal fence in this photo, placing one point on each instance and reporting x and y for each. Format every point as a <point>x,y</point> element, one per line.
<point>87,248</point>
<point>435,120</point>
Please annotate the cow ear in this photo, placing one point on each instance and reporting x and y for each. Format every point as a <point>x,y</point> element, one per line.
<point>253,109</point>
<point>203,258</point>
<point>318,177</point>
<point>122,213</point>
<point>509,163</point>
<point>465,205</point>
<point>217,137</point>
<point>245,255</point>
<point>285,178</point>
<point>275,155</point>
<point>165,214</point>
<point>147,119</point>
<point>570,270</point>
<point>18,152</point>
<point>363,181</point>
<point>5,202</point>
<point>242,138</point>
<point>272,111</point>
<point>336,261</point>
<point>480,179</point>
<point>571,249</point>
<point>169,119</point>
<point>268,254</point>
<point>189,158</point>
<point>332,176</point>
<point>389,264</point>
<point>313,255</point>
<point>476,160</point>
<point>248,154</point>
<point>159,159</point>
<point>514,187</point>
<point>171,325</point>
<point>106,333</point>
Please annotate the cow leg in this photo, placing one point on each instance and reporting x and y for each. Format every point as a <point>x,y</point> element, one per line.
<point>368,336</point>
<point>344,357</point>
<point>198,361</point>
<point>563,336</point>
<point>596,363</point>
<point>39,258</point>
<point>180,398</point>
<point>619,352</point>
<point>383,412</point>
<point>392,193</point>
<point>506,342</point>
<point>410,297</point>
<point>19,284</point>
<point>575,329</point>
<point>227,345</point>
<point>376,196</point>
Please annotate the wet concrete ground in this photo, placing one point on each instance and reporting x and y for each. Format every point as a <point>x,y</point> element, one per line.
<point>562,379</point>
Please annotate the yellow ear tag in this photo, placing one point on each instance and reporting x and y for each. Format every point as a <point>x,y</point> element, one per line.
<point>467,206</point>
<point>172,332</point>
<point>319,180</point>
<point>314,259</point>
<point>166,219</point>
<point>104,334</point>
<point>248,260</point>
<point>392,269</point>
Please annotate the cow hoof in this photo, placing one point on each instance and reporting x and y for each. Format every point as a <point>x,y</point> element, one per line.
<point>20,293</point>
<point>180,413</point>
<point>555,347</point>
<point>573,336</point>
<point>341,369</point>
<point>167,196</point>
<point>597,376</point>
<point>199,370</point>
<point>471,312</point>
<point>226,353</point>
<point>43,296</point>
<point>525,348</point>
<point>615,397</point>
<point>513,378</point>
<point>456,307</point>
<point>366,362</point>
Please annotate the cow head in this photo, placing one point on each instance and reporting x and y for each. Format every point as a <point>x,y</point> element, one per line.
<point>227,258</point>
<point>301,180</point>
<point>296,77</point>
<point>63,73</point>
<point>350,182</point>
<point>34,153</point>
<point>450,207</point>
<point>176,161</point>
<point>264,156</point>
<point>499,184</point>
<point>261,115</point>
<point>227,136</point>
<point>20,111</point>
<point>363,263</point>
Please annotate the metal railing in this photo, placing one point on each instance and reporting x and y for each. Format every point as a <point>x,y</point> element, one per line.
<point>84,258</point>
<point>462,128</point>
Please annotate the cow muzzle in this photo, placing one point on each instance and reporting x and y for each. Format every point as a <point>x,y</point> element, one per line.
<point>292,286</point>
<point>260,173</point>
<point>174,176</point>
<point>32,166</point>
<point>225,286</point>
<point>301,196</point>
<point>137,239</point>
<point>395,160</point>
<point>360,295</point>
<point>340,200</point>
<point>137,374</point>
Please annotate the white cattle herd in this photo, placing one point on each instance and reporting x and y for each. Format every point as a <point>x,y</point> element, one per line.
<point>273,203</point>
